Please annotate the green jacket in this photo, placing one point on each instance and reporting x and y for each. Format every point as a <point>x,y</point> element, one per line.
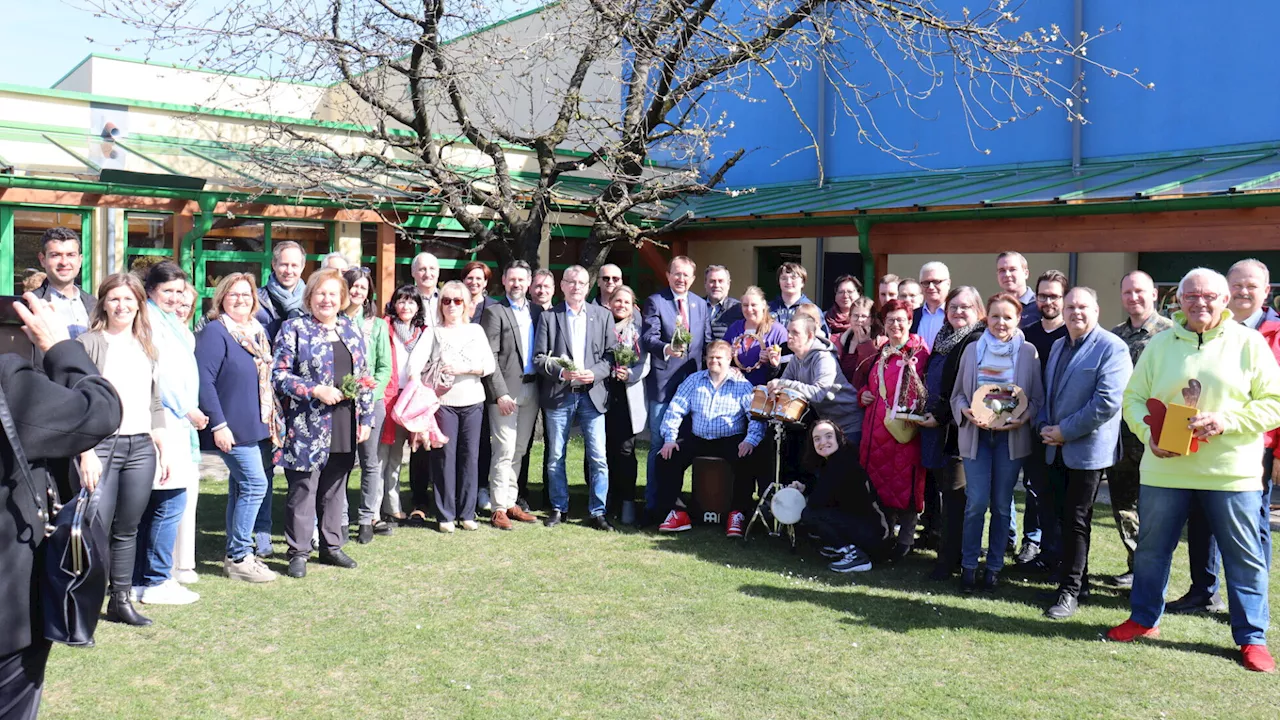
<point>378,338</point>
<point>1239,378</point>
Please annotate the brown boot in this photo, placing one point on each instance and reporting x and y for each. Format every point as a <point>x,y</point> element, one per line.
<point>515,513</point>
<point>500,520</point>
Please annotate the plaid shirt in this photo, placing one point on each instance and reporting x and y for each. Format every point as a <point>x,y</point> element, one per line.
<point>717,413</point>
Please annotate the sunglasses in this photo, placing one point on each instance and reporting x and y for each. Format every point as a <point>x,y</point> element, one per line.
<point>451,301</point>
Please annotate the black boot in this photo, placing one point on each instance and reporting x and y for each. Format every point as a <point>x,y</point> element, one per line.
<point>365,535</point>
<point>968,580</point>
<point>120,609</point>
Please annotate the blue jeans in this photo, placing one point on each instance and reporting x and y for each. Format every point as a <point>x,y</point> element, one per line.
<point>246,491</point>
<point>592,421</point>
<point>990,477</point>
<point>656,411</point>
<point>156,534</point>
<point>1232,517</point>
<point>1202,548</point>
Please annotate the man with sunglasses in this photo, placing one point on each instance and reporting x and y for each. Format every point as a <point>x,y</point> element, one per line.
<point>607,282</point>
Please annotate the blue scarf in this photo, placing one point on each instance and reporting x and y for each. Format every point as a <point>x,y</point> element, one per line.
<point>288,303</point>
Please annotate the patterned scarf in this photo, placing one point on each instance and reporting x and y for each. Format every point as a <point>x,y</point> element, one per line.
<point>408,334</point>
<point>253,338</point>
<point>949,337</point>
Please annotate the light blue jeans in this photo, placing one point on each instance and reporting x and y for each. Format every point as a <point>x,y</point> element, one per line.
<point>989,480</point>
<point>157,533</point>
<point>559,423</point>
<point>1233,518</point>
<point>246,490</point>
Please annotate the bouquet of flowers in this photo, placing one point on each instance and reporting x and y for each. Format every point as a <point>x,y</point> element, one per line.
<point>624,355</point>
<point>681,339</point>
<point>353,385</point>
<point>566,363</point>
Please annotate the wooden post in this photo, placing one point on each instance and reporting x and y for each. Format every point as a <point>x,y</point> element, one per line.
<point>385,262</point>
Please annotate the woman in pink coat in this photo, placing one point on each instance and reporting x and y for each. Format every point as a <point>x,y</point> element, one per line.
<point>894,462</point>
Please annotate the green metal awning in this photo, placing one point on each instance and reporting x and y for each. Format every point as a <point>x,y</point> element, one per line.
<point>1191,174</point>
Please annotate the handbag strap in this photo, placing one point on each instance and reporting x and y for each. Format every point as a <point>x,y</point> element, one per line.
<point>44,512</point>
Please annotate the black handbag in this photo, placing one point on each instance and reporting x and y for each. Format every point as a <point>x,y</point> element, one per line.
<point>73,581</point>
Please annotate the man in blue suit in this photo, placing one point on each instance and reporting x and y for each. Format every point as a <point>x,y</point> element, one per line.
<point>1080,426</point>
<point>671,363</point>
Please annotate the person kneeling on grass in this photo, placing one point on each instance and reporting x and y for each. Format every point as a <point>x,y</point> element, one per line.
<point>843,509</point>
<point>718,399</point>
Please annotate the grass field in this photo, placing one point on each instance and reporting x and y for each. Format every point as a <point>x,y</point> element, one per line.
<point>571,622</point>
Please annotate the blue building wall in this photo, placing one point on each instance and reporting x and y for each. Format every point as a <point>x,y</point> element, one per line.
<point>1211,63</point>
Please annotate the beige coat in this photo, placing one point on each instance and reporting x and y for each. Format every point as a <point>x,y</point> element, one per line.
<point>1026,375</point>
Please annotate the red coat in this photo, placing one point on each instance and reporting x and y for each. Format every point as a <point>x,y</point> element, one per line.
<point>895,468</point>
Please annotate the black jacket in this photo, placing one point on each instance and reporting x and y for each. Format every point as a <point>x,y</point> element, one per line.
<point>61,413</point>
<point>87,299</point>
<point>843,485</point>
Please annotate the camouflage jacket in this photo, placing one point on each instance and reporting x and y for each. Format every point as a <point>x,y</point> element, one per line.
<point>1137,339</point>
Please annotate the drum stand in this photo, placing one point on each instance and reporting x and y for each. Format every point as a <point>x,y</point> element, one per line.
<point>769,522</point>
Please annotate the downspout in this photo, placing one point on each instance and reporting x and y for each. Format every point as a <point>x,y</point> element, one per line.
<point>820,260</point>
<point>1077,128</point>
<point>864,248</point>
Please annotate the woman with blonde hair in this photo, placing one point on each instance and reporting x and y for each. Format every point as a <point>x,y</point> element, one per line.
<point>118,342</point>
<point>462,356</point>
<point>234,358</point>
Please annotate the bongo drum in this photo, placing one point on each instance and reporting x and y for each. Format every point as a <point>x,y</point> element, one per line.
<point>761,403</point>
<point>789,406</point>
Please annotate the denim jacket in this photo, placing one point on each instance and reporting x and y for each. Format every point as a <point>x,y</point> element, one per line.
<point>303,361</point>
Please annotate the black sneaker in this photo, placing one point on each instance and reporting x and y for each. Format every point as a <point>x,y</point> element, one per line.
<point>364,535</point>
<point>854,561</point>
<point>1192,604</point>
<point>1064,608</point>
<point>1029,552</point>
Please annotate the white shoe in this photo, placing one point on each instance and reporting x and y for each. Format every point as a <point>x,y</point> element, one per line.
<point>446,527</point>
<point>186,577</point>
<point>483,503</point>
<point>470,525</point>
<point>168,592</point>
<point>249,569</point>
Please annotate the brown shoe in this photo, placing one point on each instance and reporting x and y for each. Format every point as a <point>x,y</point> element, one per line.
<point>500,520</point>
<point>515,513</point>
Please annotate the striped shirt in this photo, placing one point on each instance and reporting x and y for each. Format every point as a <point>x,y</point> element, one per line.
<point>717,412</point>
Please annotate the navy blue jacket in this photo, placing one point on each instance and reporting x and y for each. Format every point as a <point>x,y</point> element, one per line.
<point>229,385</point>
<point>658,327</point>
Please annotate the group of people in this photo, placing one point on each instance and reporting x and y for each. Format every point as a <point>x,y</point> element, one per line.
<point>308,375</point>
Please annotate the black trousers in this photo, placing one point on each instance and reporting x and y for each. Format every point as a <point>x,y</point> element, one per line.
<point>1074,492</point>
<point>619,450</point>
<point>453,467</point>
<point>319,493</point>
<point>931,519</point>
<point>951,483</point>
<point>836,528</point>
<point>22,680</point>
<point>670,472</point>
<point>420,479</point>
<point>125,490</point>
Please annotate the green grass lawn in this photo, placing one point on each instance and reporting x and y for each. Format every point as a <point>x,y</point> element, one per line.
<point>571,622</point>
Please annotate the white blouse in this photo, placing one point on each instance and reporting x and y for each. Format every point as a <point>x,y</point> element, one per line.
<point>127,368</point>
<point>464,346</point>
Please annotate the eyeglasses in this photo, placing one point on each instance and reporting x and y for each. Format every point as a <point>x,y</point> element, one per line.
<point>452,301</point>
<point>1048,298</point>
<point>1194,298</point>
<point>239,296</point>
<point>611,278</point>
<point>932,283</point>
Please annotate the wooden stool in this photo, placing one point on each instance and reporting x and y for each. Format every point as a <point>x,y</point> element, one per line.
<point>712,490</point>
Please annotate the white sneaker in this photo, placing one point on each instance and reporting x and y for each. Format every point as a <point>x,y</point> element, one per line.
<point>248,569</point>
<point>470,525</point>
<point>168,592</point>
<point>484,503</point>
<point>186,577</point>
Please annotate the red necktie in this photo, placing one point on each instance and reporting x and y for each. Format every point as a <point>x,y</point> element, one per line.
<point>684,316</point>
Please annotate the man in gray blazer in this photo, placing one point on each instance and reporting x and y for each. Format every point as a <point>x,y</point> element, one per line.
<point>570,357</point>
<point>511,392</point>
<point>722,309</point>
<point>1080,426</point>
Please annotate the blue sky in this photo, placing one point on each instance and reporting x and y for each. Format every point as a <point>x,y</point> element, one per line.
<point>43,39</point>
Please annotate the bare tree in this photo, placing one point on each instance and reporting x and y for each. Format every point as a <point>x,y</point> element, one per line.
<point>600,111</point>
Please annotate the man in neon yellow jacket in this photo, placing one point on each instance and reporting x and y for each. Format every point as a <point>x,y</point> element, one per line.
<point>1238,400</point>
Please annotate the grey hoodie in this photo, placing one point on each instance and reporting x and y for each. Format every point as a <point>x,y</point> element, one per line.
<point>817,375</point>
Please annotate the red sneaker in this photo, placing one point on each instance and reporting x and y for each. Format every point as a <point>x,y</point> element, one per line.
<point>677,521</point>
<point>1257,658</point>
<point>737,523</point>
<point>1128,631</point>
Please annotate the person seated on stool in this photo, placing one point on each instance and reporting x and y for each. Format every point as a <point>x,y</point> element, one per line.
<point>843,508</point>
<point>717,400</point>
